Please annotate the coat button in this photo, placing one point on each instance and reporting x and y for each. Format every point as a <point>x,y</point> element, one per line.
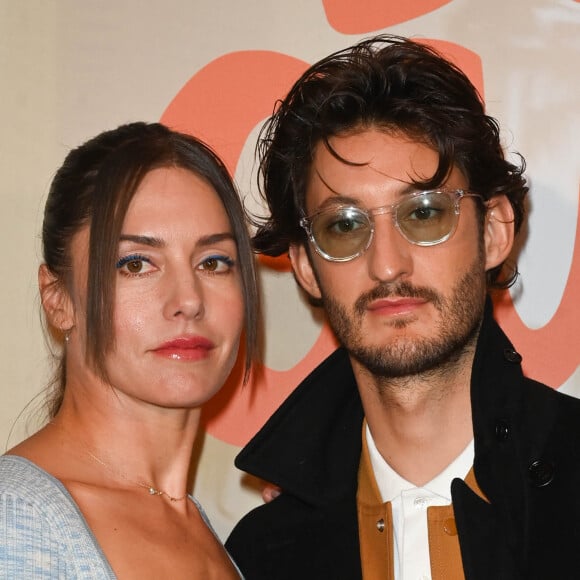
<point>512,355</point>
<point>449,527</point>
<point>502,430</point>
<point>381,525</point>
<point>541,473</point>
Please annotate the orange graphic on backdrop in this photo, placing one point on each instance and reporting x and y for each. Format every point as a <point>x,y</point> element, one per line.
<point>551,353</point>
<point>222,103</point>
<point>362,16</point>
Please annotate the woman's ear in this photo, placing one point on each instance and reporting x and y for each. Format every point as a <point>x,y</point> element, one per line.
<point>55,300</point>
<point>498,231</point>
<point>300,260</point>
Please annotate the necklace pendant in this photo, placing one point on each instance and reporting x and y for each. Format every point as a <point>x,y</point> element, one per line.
<point>153,491</point>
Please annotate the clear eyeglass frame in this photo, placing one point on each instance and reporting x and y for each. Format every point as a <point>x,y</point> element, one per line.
<point>417,201</point>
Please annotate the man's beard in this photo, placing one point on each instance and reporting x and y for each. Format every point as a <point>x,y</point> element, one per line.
<point>460,317</point>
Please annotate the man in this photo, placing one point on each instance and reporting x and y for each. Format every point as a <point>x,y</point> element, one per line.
<point>418,449</point>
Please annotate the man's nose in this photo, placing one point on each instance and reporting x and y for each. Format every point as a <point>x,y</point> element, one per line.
<point>389,256</point>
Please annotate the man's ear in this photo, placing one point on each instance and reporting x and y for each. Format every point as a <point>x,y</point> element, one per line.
<point>302,266</point>
<point>55,300</point>
<point>498,231</point>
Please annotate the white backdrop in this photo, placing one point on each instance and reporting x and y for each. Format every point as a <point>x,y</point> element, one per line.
<point>70,69</point>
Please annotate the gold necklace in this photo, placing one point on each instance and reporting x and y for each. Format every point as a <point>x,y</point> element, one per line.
<point>152,490</point>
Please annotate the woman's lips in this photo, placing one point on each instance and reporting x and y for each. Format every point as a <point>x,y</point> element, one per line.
<point>185,348</point>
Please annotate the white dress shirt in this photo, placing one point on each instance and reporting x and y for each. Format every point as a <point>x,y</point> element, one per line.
<point>409,505</point>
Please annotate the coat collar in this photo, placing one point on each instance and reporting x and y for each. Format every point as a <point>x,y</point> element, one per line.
<point>311,445</point>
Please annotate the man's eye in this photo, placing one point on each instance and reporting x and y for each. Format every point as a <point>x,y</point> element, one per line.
<point>345,226</point>
<point>424,213</point>
<point>347,222</point>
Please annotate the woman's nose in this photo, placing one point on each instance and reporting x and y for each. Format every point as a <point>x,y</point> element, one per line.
<point>184,296</point>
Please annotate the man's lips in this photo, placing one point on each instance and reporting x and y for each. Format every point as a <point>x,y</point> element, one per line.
<point>395,306</point>
<point>185,348</point>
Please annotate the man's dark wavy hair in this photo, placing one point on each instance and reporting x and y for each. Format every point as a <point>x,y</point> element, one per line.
<point>402,87</point>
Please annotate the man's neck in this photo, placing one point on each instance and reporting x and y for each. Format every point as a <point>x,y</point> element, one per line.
<point>419,423</point>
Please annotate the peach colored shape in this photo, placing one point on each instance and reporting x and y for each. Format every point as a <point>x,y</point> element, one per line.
<point>467,60</point>
<point>225,100</point>
<point>236,413</point>
<point>221,104</point>
<point>350,17</point>
<point>551,353</point>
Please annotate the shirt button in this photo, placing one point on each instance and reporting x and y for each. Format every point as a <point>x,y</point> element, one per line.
<point>449,527</point>
<point>420,502</point>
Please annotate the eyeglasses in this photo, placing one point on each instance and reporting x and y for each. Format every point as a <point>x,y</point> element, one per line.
<point>344,232</point>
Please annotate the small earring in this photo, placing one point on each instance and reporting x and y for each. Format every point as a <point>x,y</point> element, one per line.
<point>66,332</point>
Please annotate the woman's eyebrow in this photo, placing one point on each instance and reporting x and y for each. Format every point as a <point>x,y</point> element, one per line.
<point>143,240</point>
<point>159,243</point>
<point>215,238</point>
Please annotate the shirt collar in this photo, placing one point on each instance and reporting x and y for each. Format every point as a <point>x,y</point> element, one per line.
<point>391,484</point>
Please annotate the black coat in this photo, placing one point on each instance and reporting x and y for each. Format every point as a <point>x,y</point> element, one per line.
<point>527,463</point>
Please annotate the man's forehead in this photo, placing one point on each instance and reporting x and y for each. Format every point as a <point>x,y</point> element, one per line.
<point>393,156</point>
<point>370,159</point>
<point>347,191</point>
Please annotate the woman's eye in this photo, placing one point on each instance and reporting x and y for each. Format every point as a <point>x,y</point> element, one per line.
<point>134,265</point>
<point>217,264</point>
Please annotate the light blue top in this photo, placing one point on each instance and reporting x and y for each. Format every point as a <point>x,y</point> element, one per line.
<point>43,534</point>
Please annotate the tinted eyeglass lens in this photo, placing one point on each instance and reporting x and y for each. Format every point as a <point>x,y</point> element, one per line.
<point>342,233</point>
<point>426,219</point>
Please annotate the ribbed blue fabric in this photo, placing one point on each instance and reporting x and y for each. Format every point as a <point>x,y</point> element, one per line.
<point>43,534</point>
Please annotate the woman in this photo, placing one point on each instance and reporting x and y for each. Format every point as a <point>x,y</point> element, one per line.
<point>148,277</point>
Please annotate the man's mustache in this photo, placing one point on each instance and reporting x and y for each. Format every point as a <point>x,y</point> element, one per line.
<point>398,290</point>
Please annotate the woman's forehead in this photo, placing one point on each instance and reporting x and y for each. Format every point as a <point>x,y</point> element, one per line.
<point>177,200</point>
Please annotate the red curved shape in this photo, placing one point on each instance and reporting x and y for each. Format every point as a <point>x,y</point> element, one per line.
<point>467,60</point>
<point>236,413</point>
<point>550,354</point>
<point>226,99</point>
<point>350,17</point>
<point>222,104</point>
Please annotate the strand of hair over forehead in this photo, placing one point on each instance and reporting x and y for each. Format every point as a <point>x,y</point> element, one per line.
<point>386,81</point>
<point>366,88</point>
<point>304,112</point>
